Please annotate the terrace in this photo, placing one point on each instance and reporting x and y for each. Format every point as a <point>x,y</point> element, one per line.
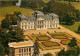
<point>52,40</point>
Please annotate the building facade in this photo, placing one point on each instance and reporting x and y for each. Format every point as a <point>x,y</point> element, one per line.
<point>21,48</point>
<point>37,21</point>
<point>24,48</point>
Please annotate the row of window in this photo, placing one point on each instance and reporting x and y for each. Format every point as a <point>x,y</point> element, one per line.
<point>28,27</point>
<point>25,54</point>
<point>22,50</point>
<point>39,26</point>
<point>39,22</point>
<point>27,23</point>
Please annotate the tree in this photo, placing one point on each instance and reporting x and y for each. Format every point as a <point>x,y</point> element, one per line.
<point>67,13</point>
<point>10,19</point>
<point>48,54</point>
<point>16,34</point>
<point>69,19</point>
<point>72,43</point>
<point>34,4</point>
<point>5,23</point>
<point>36,48</point>
<point>61,53</point>
<point>2,50</point>
<point>79,29</point>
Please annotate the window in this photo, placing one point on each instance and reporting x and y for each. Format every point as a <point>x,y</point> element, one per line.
<point>29,49</point>
<point>22,27</point>
<point>45,21</point>
<point>28,27</point>
<point>25,27</point>
<point>31,26</point>
<point>19,50</point>
<point>22,50</point>
<point>22,23</point>
<point>45,25</point>
<point>26,49</point>
<point>29,22</point>
<point>50,25</point>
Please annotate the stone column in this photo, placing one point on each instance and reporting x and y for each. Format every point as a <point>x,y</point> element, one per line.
<point>28,51</point>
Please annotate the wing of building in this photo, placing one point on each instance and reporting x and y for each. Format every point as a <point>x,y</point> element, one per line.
<point>21,48</point>
<point>37,21</point>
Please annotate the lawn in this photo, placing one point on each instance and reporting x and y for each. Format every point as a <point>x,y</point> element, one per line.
<point>44,38</point>
<point>72,27</point>
<point>12,9</point>
<point>65,42</point>
<point>60,37</point>
<point>47,45</point>
<point>50,44</point>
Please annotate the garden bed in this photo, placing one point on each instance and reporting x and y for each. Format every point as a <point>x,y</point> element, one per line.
<point>65,42</point>
<point>60,37</point>
<point>43,38</point>
<point>50,44</point>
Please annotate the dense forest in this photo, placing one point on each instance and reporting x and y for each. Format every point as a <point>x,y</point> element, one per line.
<point>67,13</point>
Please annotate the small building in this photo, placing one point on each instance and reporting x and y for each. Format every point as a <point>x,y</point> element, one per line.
<point>21,48</point>
<point>38,21</point>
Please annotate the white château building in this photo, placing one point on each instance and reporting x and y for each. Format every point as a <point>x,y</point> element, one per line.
<point>37,21</point>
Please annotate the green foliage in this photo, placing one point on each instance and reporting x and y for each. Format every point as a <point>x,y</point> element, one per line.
<point>5,23</point>
<point>16,34</point>
<point>2,50</point>
<point>79,29</point>
<point>69,20</point>
<point>67,13</point>
<point>48,54</point>
<point>10,19</point>
<point>70,52</point>
<point>73,43</point>
<point>7,3</point>
<point>34,4</point>
<point>36,48</point>
<point>61,53</point>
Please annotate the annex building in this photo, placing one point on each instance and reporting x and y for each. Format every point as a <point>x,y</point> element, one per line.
<point>24,48</point>
<point>21,48</point>
<point>37,21</point>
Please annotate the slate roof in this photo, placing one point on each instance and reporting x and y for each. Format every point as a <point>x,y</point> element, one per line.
<point>38,14</point>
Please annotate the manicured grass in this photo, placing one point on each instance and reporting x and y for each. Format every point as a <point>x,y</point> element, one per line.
<point>12,9</point>
<point>50,44</point>
<point>60,37</point>
<point>45,38</point>
<point>72,27</point>
<point>50,47</point>
<point>65,42</point>
<point>40,37</point>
